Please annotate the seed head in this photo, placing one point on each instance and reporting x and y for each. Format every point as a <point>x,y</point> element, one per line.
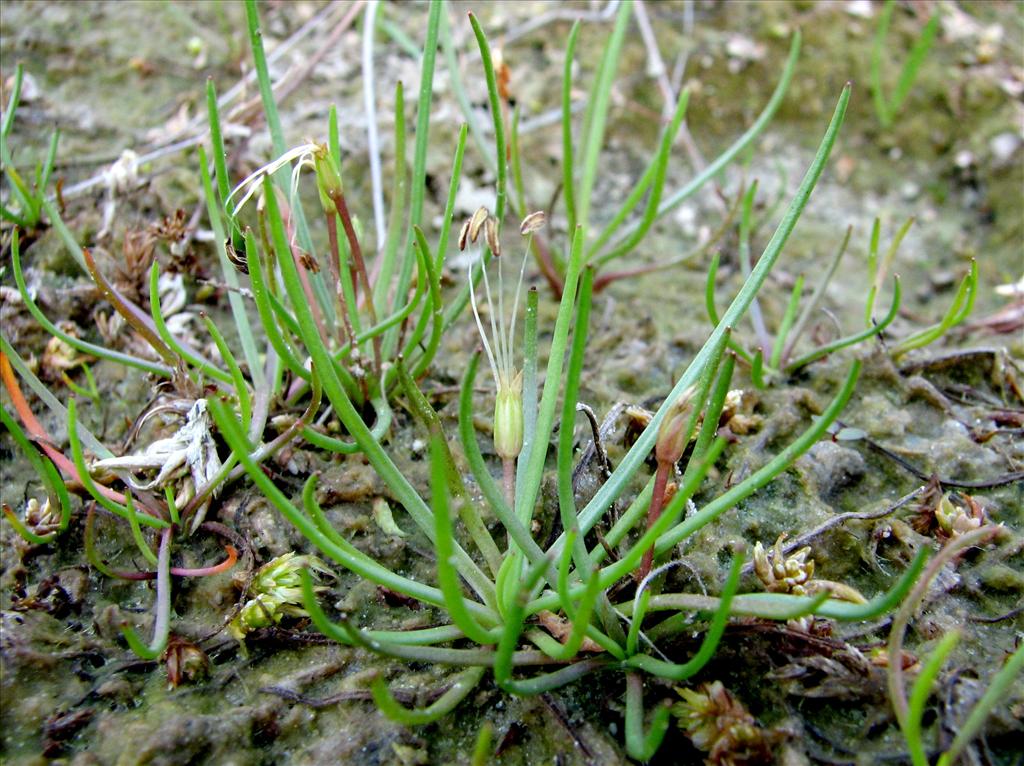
<point>274,592</point>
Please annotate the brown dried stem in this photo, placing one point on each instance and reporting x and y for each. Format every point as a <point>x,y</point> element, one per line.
<point>360,268</point>
<point>897,685</point>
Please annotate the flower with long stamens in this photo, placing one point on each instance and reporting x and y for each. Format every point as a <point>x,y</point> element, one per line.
<point>499,344</point>
<point>316,157</point>
<point>303,155</point>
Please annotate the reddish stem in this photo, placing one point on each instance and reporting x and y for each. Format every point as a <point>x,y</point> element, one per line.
<point>360,268</point>
<point>34,427</point>
<point>653,512</point>
<point>225,565</point>
<point>40,435</point>
<point>335,261</point>
<point>547,267</point>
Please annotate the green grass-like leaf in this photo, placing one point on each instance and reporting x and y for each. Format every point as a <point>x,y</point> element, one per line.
<point>616,483</point>
<point>886,108</point>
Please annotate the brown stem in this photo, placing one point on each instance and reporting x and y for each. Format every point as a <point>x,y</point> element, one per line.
<point>303,274</point>
<point>307,288</point>
<point>334,263</point>
<point>653,512</point>
<point>360,268</point>
<point>945,483</point>
<point>896,683</point>
<point>132,313</point>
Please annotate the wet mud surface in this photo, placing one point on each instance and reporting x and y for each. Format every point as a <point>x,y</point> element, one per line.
<point>945,419</point>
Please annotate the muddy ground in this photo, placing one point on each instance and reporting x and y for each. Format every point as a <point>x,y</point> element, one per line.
<point>117,76</point>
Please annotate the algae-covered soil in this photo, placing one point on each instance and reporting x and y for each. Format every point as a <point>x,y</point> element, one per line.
<point>942,421</point>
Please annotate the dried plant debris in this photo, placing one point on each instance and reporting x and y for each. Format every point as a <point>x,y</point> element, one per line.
<point>188,459</point>
<point>185,662</point>
<point>719,724</point>
<point>845,674</point>
<point>794,574</point>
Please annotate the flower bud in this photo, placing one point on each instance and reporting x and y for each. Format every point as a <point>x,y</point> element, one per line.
<point>672,434</point>
<point>328,178</point>
<point>954,521</point>
<point>185,661</point>
<point>508,418</point>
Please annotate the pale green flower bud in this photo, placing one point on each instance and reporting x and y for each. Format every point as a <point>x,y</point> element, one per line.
<point>328,178</point>
<point>508,418</point>
<point>954,521</point>
<point>260,612</point>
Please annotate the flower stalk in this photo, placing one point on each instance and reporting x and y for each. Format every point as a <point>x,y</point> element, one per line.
<point>673,437</point>
<point>332,200</point>
<point>500,349</point>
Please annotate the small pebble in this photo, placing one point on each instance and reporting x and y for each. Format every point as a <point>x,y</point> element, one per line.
<point>1004,146</point>
<point>860,9</point>
<point>942,280</point>
<point>910,190</point>
<point>964,159</point>
<point>833,467</point>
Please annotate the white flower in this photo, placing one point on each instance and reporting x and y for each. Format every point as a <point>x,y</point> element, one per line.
<point>304,153</point>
